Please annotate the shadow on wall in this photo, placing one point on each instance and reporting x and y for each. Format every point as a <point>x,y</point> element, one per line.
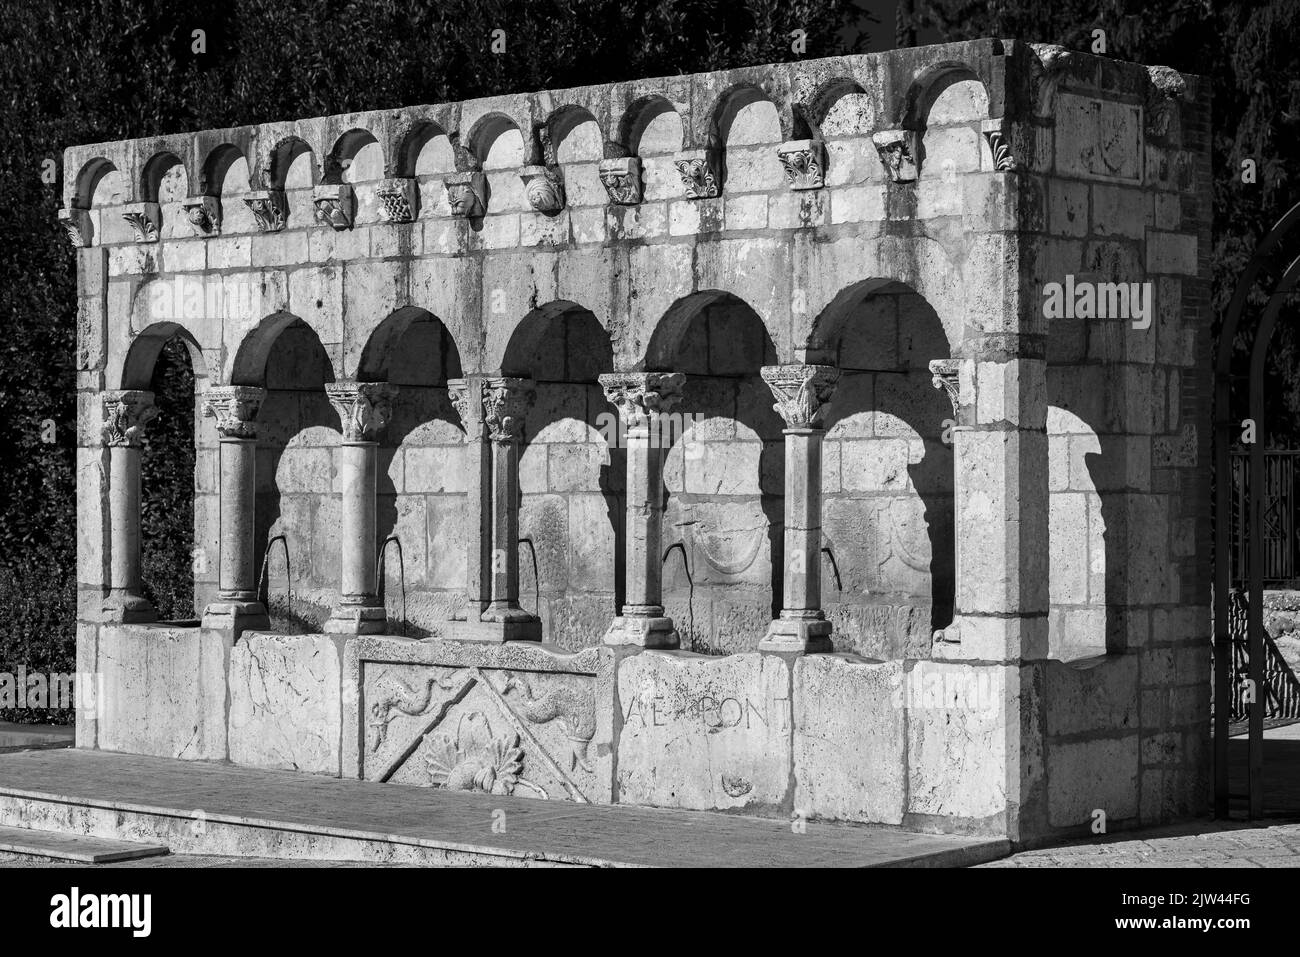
<point>421,482</point>
<point>297,439</point>
<point>571,482</point>
<point>887,479</point>
<point>724,476</point>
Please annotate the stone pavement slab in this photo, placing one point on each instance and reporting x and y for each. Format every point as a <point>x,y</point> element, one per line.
<point>80,848</point>
<point>538,830</point>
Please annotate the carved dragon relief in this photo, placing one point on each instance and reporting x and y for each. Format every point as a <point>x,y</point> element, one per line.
<point>491,748</point>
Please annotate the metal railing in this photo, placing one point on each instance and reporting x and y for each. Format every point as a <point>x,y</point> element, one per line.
<point>1281,494</point>
<point>1281,691</point>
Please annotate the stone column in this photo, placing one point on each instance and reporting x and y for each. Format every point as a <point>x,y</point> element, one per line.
<point>467,398</point>
<point>125,415</point>
<point>801,392</point>
<point>364,409</point>
<point>505,400</point>
<point>1000,503</point>
<point>235,408</point>
<point>640,397</point>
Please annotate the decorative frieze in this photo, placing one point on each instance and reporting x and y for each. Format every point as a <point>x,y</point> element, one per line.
<point>505,400</point>
<point>466,194</point>
<point>397,199</point>
<point>144,220</point>
<point>126,413</point>
<point>640,395</point>
<point>544,187</point>
<point>899,152</point>
<point>203,213</point>
<point>804,162</point>
<point>364,408</point>
<point>269,209</point>
<point>335,205</point>
<point>945,375</point>
<point>801,392</point>
<point>235,408</point>
<point>998,135</point>
<point>621,178</point>
<point>76,223</point>
<point>699,172</point>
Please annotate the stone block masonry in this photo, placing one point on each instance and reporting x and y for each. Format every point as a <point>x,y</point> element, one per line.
<point>703,442</point>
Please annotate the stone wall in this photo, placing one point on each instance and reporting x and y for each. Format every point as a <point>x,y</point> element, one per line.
<point>1012,539</point>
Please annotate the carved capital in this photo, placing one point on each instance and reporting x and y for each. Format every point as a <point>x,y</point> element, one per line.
<point>998,136</point>
<point>397,199</point>
<point>468,404</point>
<point>946,375</point>
<point>1161,107</point>
<point>235,408</point>
<point>269,209</point>
<point>144,219</point>
<point>126,413</point>
<point>544,187</point>
<point>203,213</point>
<point>335,205</point>
<point>801,392</point>
<point>640,395</point>
<point>505,400</point>
<point>466,194</point>
<point>699,172</point>
<point>364,408</point>
<point>899,153</point>
<point>76,223</point>
<point>804,162</point>
<point>621,178</point>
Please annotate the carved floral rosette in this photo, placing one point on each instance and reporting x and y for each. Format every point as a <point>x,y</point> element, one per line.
<point>699,173</point>
<point>899,153</point>
<point>269,209</point>
<point>505,400</point>
<point>397,201</point>
<point>76,223</point>
<point>203,213</point>
<point>466,194</point>
<point>544,187</point>
<point>804,162</point>
<point>335,205</point>
<point>640,395</point>
<point>144,220</point>
<point>946,375</point>
<point>126,413</point>
<point>235,408</point>
<point>801,392</point>
<point>621,178</point>
<point>998,136</point>
<point>364,408</point>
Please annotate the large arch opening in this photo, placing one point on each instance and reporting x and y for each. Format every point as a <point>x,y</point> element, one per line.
<point>423,538</point>
<point>571,480</point>
<point>723,527</point>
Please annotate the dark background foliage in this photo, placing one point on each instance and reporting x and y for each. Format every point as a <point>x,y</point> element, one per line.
<point>113,69</point>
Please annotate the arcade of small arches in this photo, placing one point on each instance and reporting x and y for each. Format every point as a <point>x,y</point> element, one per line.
<point>731,513</point>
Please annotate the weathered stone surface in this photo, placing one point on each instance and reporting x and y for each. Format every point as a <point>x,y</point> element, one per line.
<point>849,743</point>
<point>704,733</point>
<point>285,701</point>
<point>163,691</point>
<point>1084,777</point>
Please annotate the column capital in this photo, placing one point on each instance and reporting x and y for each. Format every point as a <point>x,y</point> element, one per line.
<point>640,395</point>
<point>946,375</point>
<point>126,413</point>
<point>235,408</point>
<point>364,408</point>
<point>801,392</point>
<point>505,400</point>
<point>468,403</point>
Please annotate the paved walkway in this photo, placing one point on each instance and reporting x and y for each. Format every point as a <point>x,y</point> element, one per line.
<point>292,804</point>
<point>1200,844</point>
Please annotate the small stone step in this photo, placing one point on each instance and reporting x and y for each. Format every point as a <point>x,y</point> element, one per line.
<point>73,847</point>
